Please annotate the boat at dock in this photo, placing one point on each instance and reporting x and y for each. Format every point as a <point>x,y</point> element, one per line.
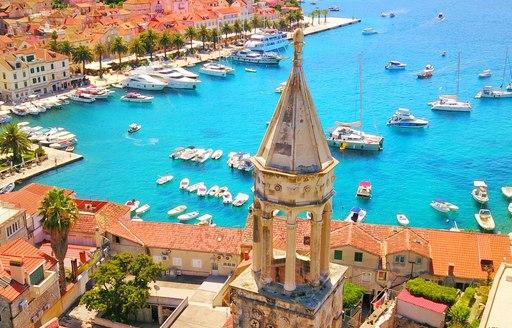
<point>7,188</point>
<point>227,198</point>
<point>188,216</point>
<point>206,219</point>
<point>485,219</point>
<point>240,199</point>
<point>144,82</point>
<point>402,219</point>
<point>133,204</point>
<point>266,40</point>
<point>174,77</point>
<point>216,69</point>
<point>194,187</point>
<point>137,97</point>
<point>212,191</point>
<point>253,57</point>
<point>177,210</point>
<point>217,154</point>
<point>184,183</point>
<point>81,97</point>
<point>143,209</point>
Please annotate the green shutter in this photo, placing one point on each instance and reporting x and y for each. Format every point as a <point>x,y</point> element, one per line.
<point>338,255</point>
<point>37,276</point>
<point>358,257</point>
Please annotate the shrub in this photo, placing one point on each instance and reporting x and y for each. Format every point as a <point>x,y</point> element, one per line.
<point>352,294</point>
<point>465,300</point>
<point>432,291</point>
<point>459,315</point>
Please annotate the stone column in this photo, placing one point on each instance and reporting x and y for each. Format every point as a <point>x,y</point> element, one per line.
<point>325,242</point>
<point>315,248</point>
<point>256,241</point>
<point>160,315</point>
<point>267,250</point>
<point>289,280</point>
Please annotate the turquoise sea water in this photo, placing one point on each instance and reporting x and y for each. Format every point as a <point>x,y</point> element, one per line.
<point>231,114</point>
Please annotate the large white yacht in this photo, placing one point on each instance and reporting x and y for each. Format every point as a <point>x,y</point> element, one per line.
<point>216,69</point>
<point>249,56</point>
<point>174,78</point>
<point>144,82</point>
<point>450,103</point>
<point>489,92</point>
<point>267,40</point>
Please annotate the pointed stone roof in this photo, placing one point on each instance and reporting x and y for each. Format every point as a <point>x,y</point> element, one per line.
<point>295,142</point>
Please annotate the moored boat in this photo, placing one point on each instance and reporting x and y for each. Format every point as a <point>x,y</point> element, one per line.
<point>136,97</point>
<point>510,208</point>
<point>205,219</point>
<point>134,127</point>
<point>364,189</point>
<point>221,191</point>
<point>507,191</point>
<point>240,199</point>
<point>249,56</point>
<point>442,205</point>
<point>7,188</point>
<point>356,214</point>
<point>480,192</point>
<point>184,183</point>
<point>217,154</point>
<point>194,187</point>
<point>485,219</point>
<point>188,216</point>
<point>134,204</point>
<point>216,69</point>
<point>212,191</point>
<point>490,92</point>
<point>143,209</point>
<point>395,65</point>
<point>368,31</point>
<point>403,118</point>
<point>201,190</point>
<point>164,179</point>
<point>81,97</point>
<point>177,152</point>
<point>144,82</point>
<point>402,219</point>
<point>485,73</point>
<point>267,40</point>
<point>70,148</point>
<point>177,210</point>
<point>227,198</point>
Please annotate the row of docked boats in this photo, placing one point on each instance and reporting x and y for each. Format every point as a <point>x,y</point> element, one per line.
<point>215,191</point>
<point>58,138</point>
<point>137,208</point>
<point>90,94</point>
<point>194,154</point>
<point>35,107</point>
<point>240,161</point>
<point>158,76</point>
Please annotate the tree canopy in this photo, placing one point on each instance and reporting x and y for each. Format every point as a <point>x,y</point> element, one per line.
<point>352,294</point>
<point>122,286</point>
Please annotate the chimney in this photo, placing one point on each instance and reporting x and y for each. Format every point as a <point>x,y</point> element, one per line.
<point>83,258</point>
<point>97,235</point>
<point>17,269</point>
<point>451,267</point>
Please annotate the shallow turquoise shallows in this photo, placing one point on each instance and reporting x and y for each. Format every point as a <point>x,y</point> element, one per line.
<point>231,114</point>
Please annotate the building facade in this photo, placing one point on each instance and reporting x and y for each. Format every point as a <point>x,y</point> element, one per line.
<point>13,224</point>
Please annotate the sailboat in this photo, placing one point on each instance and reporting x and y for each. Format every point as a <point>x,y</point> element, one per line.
<point>451,103</point>
<point>344,136</point>
<point>509,85</point>
<point>489,92</point>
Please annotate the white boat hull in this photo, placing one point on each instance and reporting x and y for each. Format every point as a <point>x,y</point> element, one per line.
<point>356,145</point>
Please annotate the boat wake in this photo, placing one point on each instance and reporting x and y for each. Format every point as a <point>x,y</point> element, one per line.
<point>143,142</point>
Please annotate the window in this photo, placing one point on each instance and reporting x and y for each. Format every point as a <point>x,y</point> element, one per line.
<point>25,84</point>
<point>117,240</point>
<point>37,276</point>
<point>39,79</point>
<point>196,263</point>
<point>53,76</point>
<point>338,255</point>
<point>24,74</point>
<point>42,68</point>
<point>12,229</point>
<point>63,64</point>
<point>15,85</point>
<point>382,275</point>
<point>419,260</point>
<point>15,76</point>
<point>51,66</point>
<point>37,69</point>
<point>176,261</point>
<point>399,259</point>
<point>32,70</point>
<point>34,80</point>
<point>4,76</point>
<point>366,277</point>
<point>44,78</point>
<point>358,257</point>
<point>64,73</point>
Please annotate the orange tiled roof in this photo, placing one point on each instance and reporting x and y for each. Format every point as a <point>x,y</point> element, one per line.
<point>72,253</point>
<point>30,196</point>
<point>227,10</point>
<point>407,240</point>
<point>353,235</point>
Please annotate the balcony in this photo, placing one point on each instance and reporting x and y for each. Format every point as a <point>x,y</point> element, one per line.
<point>50,278</point>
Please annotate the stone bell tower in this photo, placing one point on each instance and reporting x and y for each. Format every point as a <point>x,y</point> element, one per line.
<point>293,174</point>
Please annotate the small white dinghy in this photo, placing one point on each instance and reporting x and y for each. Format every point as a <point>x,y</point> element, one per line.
<point>134,204</point>
<point>507,191</point>
<point>164,179</point>
<point>177,210</point>
<point>485,219</point>
<point>240,199</point>
<point>201,191</point>
<point>195,186</point>
<point>184,183</point>
<point>402,219</point>
<point>205,219</point>
<point>212,191</point>
<point>188,216</point>
<point>143,209</point>
<point>227,198</point>
<point>217,154</point>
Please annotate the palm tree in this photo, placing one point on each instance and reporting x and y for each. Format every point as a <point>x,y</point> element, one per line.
<point>177,41</point>
<point>149,39</point>
<point>255,22</point>
<point>15,141</point>
<point>99,50</point>
<point>119,47</point>
<point>190,33</point>
<point>237,27</point>
<point>325,12</point>
<point>59,213</point>
<point>282,24</point>
<point>226,29</point>
<point>203,34</point>
<point>312,15</point>
<point>319,15</point>
<point>214,37</point>
<point>165,41</point>
<point>137,48</point>
<point>83,54</point>
<point>247,26</point>
<point>66,48</point>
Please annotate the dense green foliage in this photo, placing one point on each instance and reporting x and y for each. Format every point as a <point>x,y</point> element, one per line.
<point>465,300</point>
<point>432,291</point>
<point>459,315</point>
<point>15,141</point>
<point>352,294</point>
<point>116,295</point>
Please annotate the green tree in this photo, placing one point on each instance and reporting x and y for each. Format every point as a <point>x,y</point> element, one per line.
<point>59,213</point>
<point>118,46</point>
<point>352,294</point>
<point>15,141</point>
<point>100,49</point>
<point>165,41</point>
<point>256,22</point>
<point>137,48</point>
<point>459,315</point>
<point>83,54</point>
<point>66,48</point>
<point>324,13</point>
<point>122,286</point>
<point>203,34</point>
<point>190,34</point>
<point>226,29</point>
<point>177,41</point>
<point>214,37</point>
<point>150,40</point>
<point>312,15</point>
<point>247,26</point>
<point>53,45</point>
<point>282,24</point>
<point>237,27</point>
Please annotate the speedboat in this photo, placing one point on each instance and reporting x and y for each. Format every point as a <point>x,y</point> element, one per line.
<point>395,65</point>
<point>136,97</point>
<point>443,206</point>
<point>216,69</point>
<point>217,154</point>
<point>81,97</point>
<point>480,192</point>
<point>364,189</point>
<point>143,209</point>
<point>221,191</point>
<point>507,191</point>
<point>4,117</point>
<point>201,190</point>
<point>334,8</point>
<point>184,183</point>
<point>205,219</point>
<point>240,199</point>
<point>194,187</point>
<point>403,118</point>
<point>356,215</point>
<point>134,127</point>
<point>164,179</point>
<point>345,137</point>
<point>402,219</point>
<point>485,220</point>
<point>188,216</point>
<point>144,82</point>
<point>369,31</point>
<point>267,40</point>
<point>253,57</point>
<point>188,153</point>
<point>177,152</point>
<point>227,198</point>
<point>7,188</point>
<point>177,210</point>
<point>489,92</point>
<point>203,156</point>
<point>212,191</point>
<point>485,73</point>
<point>450,103</point>
<point>424,74</point>
<point>134,204</point>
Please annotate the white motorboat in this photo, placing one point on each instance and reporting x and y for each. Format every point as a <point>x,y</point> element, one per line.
<point>134,204</point>
<point>221,191</point>
<point>356,214</point>
<point>250,70</point>
<point>240,199</point>
<point>440,16</point>
<point>443,206</point>
<point>485,219</point>
<point>364,189</point>
<point>194,187</point>
<point>175,77</point>
<point>144,82</point>
<point>267,40</point>
<point>216,69</point>
<point>489,92</point>
<point>217,154</point>
<point>20,110</point>
<point>81,97</point>
<point>201,190</point>
<point>204,156</point>
<point>424,74</point>
<point>164,179</point>
<point>143,209</point>
<point>240,161</point>
<point>137,97</point>
<point>510,208</point>
<point>402,219</point>
<point>188,153</point>
<point>480,192</point>
<point>485,74</point>
<point>368,31</point>
<point>188,216</point>
<point>64,143</point>
<point>96,92</point>
<point>227,198</point>
<point>177,152</point>
<point>395,65</point>
<point>507,191</point>
<point>177,210</point>
<point>334,8</point>
<point>178,69</point>
<point>206,219</point>
<point>253,57</point>
<point>403,118</point>
<point>184,183</point>
<point>134,127</point>
<point>7,188</point>
<point>213,190</point>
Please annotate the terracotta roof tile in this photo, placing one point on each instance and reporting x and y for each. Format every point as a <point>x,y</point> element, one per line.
<point>72,253</point>
<point>30,196</point>
<point>351,234</point>
<point>407,240</point>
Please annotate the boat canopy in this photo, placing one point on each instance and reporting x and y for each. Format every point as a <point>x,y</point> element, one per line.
<point>349,124</point>
<point>356,209</point>
<point>365,184</point>
<point>479,183</point>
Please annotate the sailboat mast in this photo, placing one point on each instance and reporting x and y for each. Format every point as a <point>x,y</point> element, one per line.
<point>360,93</point>
<point>504,68</point>
<point>458,76</point>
